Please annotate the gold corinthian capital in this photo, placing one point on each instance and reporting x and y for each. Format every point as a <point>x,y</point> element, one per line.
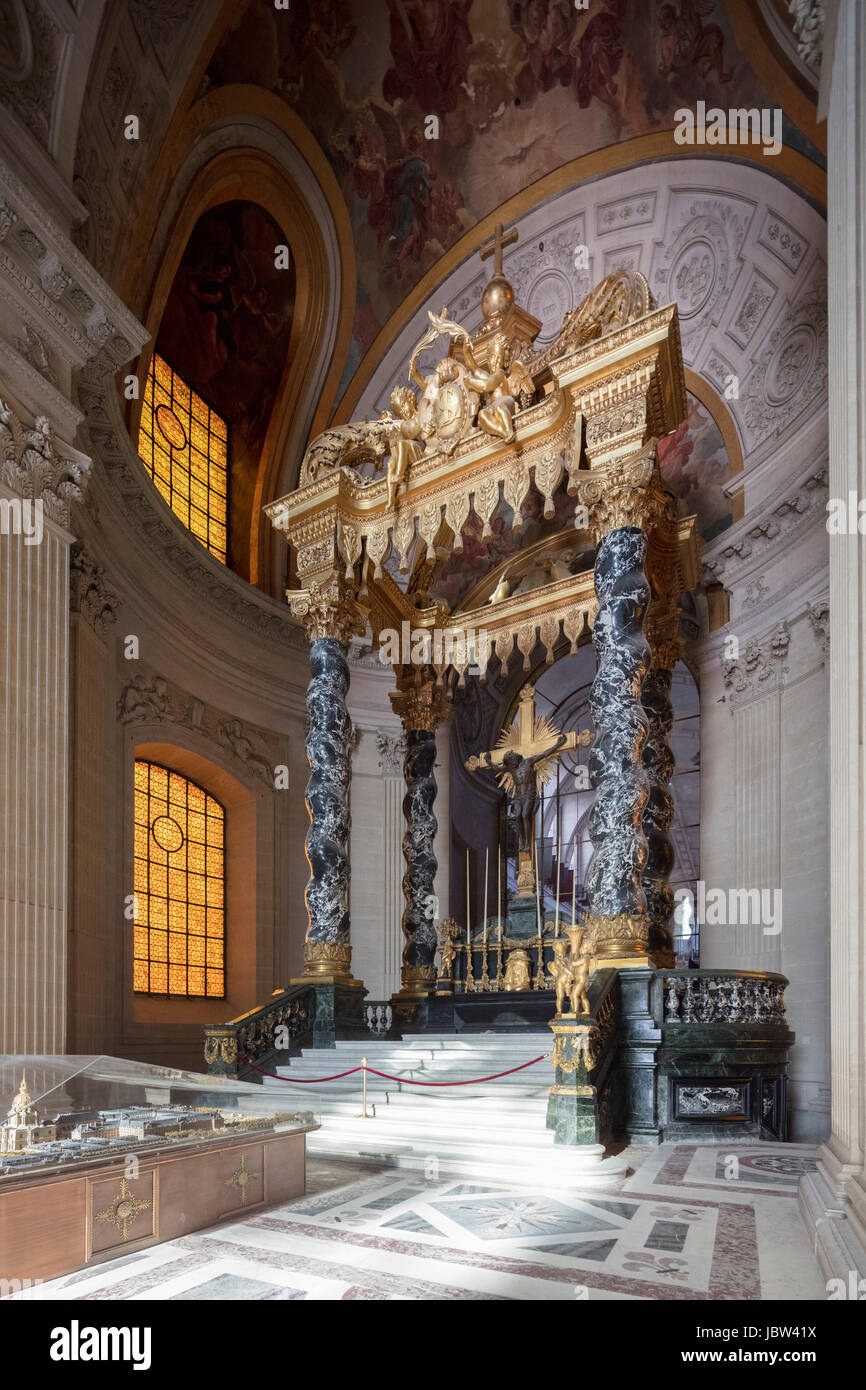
<point>627,493</point>
<point>422,706</point>
<point>329,609</point>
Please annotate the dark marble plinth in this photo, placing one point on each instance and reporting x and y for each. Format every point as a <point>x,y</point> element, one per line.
<point>522,918</point>
<point>656,1061</point>
<point>339,1013</point>
<point>572,1117</point>
<point>523,1011</point>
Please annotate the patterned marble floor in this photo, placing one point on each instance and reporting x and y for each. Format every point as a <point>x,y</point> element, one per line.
<point>692,1222</point>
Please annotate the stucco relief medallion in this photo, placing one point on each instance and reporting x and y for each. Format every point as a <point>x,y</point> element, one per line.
<point>693,277</point>
<point>550,298</point>
<point>791,364</point>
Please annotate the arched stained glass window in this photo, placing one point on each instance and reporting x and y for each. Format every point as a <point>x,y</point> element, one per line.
<point>179,886</point>
<point>184,446</point>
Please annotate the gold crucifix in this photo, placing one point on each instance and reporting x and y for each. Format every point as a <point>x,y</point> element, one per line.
<point>525,754</point>
<point>494,248</point>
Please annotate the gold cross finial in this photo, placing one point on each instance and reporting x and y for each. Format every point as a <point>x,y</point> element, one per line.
<point>494,248</point>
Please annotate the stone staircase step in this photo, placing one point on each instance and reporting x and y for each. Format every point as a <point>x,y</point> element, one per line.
<point>491,1130</point>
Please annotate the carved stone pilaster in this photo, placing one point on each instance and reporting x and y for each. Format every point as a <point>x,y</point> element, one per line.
<point>818,614</point>
<point>760,667</point>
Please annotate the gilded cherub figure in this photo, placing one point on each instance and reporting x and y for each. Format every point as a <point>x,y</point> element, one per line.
<point>496,417</point>
<point>570,969</point>
<point>448,934</point>
<point>404,439</point>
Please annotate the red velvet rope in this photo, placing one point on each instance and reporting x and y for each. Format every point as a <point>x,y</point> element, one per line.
<point>403,1080</point>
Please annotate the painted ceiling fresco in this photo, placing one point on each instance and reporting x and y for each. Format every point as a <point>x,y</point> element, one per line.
<point>519,87</point>
<point>228,318</point>
<point>695,466</point>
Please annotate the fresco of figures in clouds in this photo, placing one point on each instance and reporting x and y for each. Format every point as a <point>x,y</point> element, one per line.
<point>695,466</point>
<point>520,87</point>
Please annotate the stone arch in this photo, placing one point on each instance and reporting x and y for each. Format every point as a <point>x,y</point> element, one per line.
<point>254,149</point>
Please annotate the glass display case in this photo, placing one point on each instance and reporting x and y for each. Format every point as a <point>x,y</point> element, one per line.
<point>100,1156</point>
<point>62,1111</point>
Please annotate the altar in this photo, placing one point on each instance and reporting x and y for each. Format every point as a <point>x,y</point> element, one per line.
<point>383,506</point>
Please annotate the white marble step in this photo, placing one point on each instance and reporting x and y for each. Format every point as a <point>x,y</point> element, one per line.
<point>495,1129</point>
<point>448,1059</point>
<point>541,1162</point>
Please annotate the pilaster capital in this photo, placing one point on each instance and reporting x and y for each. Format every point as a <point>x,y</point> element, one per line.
<point>31,465</point>
<point>421,706</point>
<point>392,750</point>
<point>329,609</point>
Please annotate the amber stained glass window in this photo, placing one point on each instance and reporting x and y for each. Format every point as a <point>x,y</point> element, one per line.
<point>179,886</point>
<point>184,446</point>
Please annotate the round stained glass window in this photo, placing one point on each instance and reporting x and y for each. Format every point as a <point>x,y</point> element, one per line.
<point>167,833</point>
<point>170,427</point>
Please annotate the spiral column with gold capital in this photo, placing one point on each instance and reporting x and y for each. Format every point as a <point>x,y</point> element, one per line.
<point>623,502</point>
<point>329,617</point>
<point>421,707</point>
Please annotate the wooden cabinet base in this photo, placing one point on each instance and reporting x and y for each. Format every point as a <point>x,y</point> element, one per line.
<point>53,1225</point>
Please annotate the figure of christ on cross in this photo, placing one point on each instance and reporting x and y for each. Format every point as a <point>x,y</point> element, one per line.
<point>529,744</point>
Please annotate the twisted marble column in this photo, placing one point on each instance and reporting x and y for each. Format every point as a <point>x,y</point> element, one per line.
<point>617,902</point>
<point>421,709</point>
<point>419,918</point>
<point>662,630</point>
<point>658,761</point>
<point>327,949</point>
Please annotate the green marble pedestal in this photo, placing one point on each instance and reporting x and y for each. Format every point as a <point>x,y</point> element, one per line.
<point>572,1110</point>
